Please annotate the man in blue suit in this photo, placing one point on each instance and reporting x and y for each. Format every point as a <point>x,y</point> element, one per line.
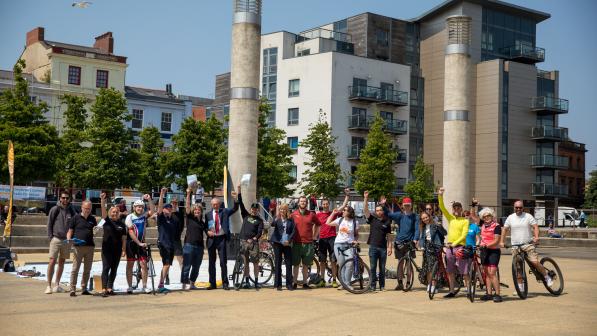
<point>217,235</point>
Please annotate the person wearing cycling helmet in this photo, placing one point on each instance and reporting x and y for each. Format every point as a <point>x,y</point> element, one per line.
<point>457,232</point>
<point>136,223</point>
<point>490,252</point>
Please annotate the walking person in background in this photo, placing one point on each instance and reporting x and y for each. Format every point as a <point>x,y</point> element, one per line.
<point>281,239</point>
<point>113,245</point>
<point>192,251</point>
<point>59,218</point>
<point>380,245</point>
<point>136,224</point>
<point>81,227</point>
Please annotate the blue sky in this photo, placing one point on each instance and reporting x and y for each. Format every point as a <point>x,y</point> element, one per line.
<point>187,43</point>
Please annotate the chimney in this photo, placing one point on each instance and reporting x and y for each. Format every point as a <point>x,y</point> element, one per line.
<point>105,42</point>
<point>35,35</point>
<point>169,90</point>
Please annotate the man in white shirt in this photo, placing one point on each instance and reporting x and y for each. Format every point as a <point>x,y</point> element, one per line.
<point>525,232</point>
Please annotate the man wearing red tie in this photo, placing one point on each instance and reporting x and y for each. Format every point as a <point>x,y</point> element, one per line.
<point>217,235</point>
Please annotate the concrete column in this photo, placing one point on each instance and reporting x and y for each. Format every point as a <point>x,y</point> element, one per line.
<point>244,97</point>
<point>457,107</point>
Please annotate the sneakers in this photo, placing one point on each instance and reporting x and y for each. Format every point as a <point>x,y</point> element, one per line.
<point>192,287</point>
<point>147,290</point>
<point>247,284</point>
<point>334,284</point>
<point>486,297</point>
<point>161,290</point>
<point>431,289</point>
<point>85,292</point>
<point>184,287</point>
<point>497,298</point>
<point>48,290</point>
<point>548,281</point>
<point>58,289</point>
<point>73,294</point>
<point>449,295</point>
<point>382,289</point>
<point>320,284</point>
<point>129,290</point>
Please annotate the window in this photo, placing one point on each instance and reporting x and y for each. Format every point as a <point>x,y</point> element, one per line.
<point>303,52</point>
<point>293,87</point>
<point>166,121</point>
<point>137,121</point>
<point>293,143</point>
<point>293,174</point>
<point>74,75</point>
<point>135,145</point>
<point>293,116</point>
<point>33,99</point>
<point>101,79</point>
<point>387,91</point>
<point>382,37</point>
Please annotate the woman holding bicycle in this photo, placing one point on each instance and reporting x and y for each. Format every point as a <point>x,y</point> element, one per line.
<point>281,239</point>
<point>490,251</point>
<point>431,239</point>
<point>348,234</point>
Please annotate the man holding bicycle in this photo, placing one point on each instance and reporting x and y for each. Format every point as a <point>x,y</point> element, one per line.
<point>525,233</point>
<point>250,232</point>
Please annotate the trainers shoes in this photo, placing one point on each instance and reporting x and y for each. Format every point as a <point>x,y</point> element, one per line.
<point>192,287</point>
<point>334,284</point>
<point>449,295</point>
<point>497,298</point>
<point>486,297</point>
<point>85,292</point>
<point>147,290</point>
<point>306,286</point>
<point>129,290</point>
<point>549,281</point>
<point>58,289</point>
<point>48,290</point>
<point>73,294</point>
<point>321,284</point>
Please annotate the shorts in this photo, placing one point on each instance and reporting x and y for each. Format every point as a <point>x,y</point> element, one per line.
<point>250,250</point>
<point>134,252</point>
<point>401,248</point>
<point>177,248</point>
<point>302,252</point>
<point>58,249</point>
<point>453,263</point>
<point>167,254</point>
<point>326,247</point>
<point>490,257</point>
<point>530,250</point>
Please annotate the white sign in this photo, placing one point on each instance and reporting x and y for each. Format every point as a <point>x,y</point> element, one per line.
<point>23,193</point>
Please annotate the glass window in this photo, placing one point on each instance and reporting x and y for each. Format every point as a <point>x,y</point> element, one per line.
<point>341,26</point>
<point>293,116</point>
<point>166,122</point>
<point>293,87</point>
<point>101,79</point>
<point>382,37</point>
<point>293,173</point>
<point>293,143</point>
<point>74,75</point>
<point>137,121</point>
<point>387,91</point>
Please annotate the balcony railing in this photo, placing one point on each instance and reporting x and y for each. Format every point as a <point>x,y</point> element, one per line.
<point>327,34</point>
<point>401,155</point>
<point>541,189</point>
<point>549,104</point>
<point>354,152</point>
<point>550,161</point>
<point>524,54</point>
<point>376,94</point>
<point>361,122</point>
<point>549,133</point>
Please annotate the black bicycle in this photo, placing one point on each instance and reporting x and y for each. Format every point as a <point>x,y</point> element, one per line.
<point>439,273</point>
<point>408,268</point>
<point>519,275</point>
<point>354,274</point>
<point>137,273</point>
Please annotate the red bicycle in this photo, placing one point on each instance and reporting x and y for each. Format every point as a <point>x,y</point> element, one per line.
<point>477,274</point>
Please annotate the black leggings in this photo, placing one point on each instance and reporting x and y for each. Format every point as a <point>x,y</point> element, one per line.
<point>110,261</point>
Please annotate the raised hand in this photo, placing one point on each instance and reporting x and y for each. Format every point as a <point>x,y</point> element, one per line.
<point>189,191</point>
<point>366,194</point>
<point>346,191</point>
<point>441,190</point>
<point>382,200</point>
<point>163,191</point>
<point>146,197</point>
<point>103,196</point>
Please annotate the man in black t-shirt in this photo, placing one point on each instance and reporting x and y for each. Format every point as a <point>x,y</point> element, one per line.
<point>380,246</point>
<point>168,232</point>
<point>81,227</point>
<point>250,232</point>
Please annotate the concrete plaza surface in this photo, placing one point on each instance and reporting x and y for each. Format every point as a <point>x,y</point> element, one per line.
<point>27,311</point>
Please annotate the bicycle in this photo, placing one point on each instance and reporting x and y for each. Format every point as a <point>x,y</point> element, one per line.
<point>138,275</point>
<point>477,274</point>
<point>359,274</point>
<point>519,273</point>
<point>439,275</point>
<point>407,268</point>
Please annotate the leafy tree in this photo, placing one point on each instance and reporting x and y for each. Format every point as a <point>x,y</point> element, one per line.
<point>374,171</point>
<point>111,162</point>
<point>35,141</point>
<point>421,188</point>
<point>591,191</point>
<point>150,159</point>
<point>274,158</point>
<point>70,163</point>
<point>198,149</point>
<point>323,174</point>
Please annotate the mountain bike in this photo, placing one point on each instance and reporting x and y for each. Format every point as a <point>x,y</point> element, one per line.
<point>408,267</point>
<point>354,274</point>
<point>519,275</point>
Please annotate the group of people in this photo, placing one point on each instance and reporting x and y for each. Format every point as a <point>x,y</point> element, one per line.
<point>293,238</point>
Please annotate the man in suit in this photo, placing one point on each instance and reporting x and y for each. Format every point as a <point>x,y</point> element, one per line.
<point>217,235</point>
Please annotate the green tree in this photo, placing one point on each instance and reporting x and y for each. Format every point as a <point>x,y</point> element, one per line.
<point>35,141</point>
<point>274,158</point>
<point>375,171</point>
<point>111,162</point>
<point>198,149</point>
<point>150,174</point>
<point>591,191</point>
<point>70,162</point>
<point>421,188</point>
<point>323,172</point>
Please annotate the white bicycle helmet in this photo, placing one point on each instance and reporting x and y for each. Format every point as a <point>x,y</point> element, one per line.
<point>138,203</point>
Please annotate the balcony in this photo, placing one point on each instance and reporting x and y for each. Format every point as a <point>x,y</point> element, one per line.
<point>549,105</point>
<point>354,152</point>
<point>549,133</point>
<point>360,122</point>
<point>549,161</point>
<point>524,54</point>
<point>541,189</point>
<point>374,94</point>
<point>401,155</point>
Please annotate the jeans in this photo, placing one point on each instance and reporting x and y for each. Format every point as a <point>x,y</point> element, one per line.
<point>378,255</point>
<point>343,254</point>
<point>192,256</point>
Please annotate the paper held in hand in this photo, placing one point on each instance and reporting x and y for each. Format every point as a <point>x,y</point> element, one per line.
<point>245,180</point>
<point>192,182</point>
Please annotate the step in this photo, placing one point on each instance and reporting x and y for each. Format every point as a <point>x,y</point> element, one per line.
<point>37,241</point>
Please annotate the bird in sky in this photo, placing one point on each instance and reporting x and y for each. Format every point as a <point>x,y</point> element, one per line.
<point>81,4</point>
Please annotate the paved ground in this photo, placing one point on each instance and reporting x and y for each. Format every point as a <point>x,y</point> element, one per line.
<point>319,311</point>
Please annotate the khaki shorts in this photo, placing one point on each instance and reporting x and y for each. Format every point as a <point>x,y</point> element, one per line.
<point>530,250</point>
<point>250,250</point>
<point>59,248</point>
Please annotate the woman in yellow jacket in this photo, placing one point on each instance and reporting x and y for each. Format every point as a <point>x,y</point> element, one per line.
<point>456,240</point>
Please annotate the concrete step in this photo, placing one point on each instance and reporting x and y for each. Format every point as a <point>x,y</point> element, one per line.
<point>42,241</point>
<point>41,230</point>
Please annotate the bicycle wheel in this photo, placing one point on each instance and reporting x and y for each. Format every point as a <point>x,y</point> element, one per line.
<point>237,273</point>
<point>151,273</point>
<point>266,269</point>
<point>435,279</point>
<point>553,270</point>
<point>518,272</point>
<point>355,282</point>
<point>409,274</point>
<point>472,282</point>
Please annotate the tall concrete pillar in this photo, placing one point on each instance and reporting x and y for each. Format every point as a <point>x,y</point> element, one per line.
<point>244,97</point>
<point>457,107</point>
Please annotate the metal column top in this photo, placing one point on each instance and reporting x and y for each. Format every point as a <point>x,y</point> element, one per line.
<point>247,11</point>
<point>244,93</point>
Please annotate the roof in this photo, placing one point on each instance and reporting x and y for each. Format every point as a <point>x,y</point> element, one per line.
<point>131,92</point>
<point>9,75</point>
<point>197,101</point>
<point>82,51</point>
<point>536,15</point>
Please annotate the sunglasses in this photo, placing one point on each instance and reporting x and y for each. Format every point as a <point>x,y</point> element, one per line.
<point>428,209</point>
<point>517,207</point>
<point>64,198</point>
